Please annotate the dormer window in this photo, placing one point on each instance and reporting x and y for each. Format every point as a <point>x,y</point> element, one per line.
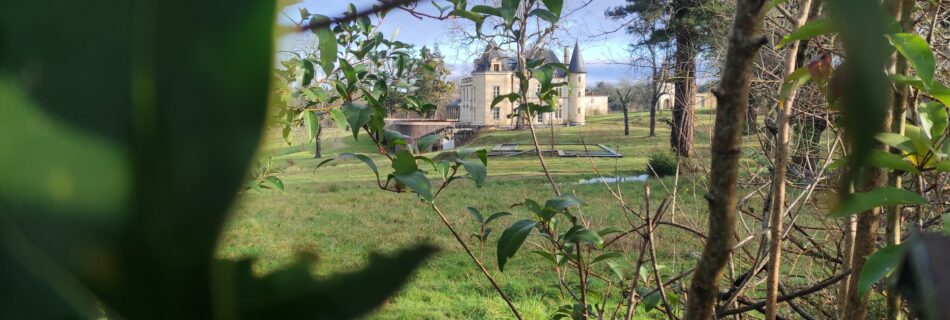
<point>495,67</point>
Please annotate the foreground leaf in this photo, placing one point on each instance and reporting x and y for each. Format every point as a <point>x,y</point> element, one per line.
<point>878,266</point>
<point>882,196</point>
<point>511,240</point>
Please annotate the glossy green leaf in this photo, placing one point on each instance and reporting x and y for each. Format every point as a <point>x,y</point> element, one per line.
<point>349,73</point>
<point>808,30</point>
<point>544,14</point>
<point>339,118</point>
<point>878,266</point>
<point>417,182</point>
<point>427,141</point>
<point>586,235</point>
<point>392,137</point>
<point>562,202</point>
<point>891,161</point>
<point>496,215</point>
<point>511,240</point>
<point>308,72</point>
<point>943,166</point>
<point>918,53</point>
<point>508,10</point>
<point>476,214</point>
<point>879,197</point>
<point>609,230</point>
<point>405,162</point>
<point>933,119</point>
<point>555,6</point>
<point>940,92</point>
<point>796,79</point>
<point>312,121</point>
<point>476,171</point>
<point>357,115</point>
<point>275,182</point>
<point>606,256</point>
<point>483,9</point>
<point>367,160</point>
<point>897,141</point>
<point>327,43</point>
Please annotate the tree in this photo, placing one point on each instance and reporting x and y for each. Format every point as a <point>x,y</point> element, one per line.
<point>683,23</point>
<point>431,86</point>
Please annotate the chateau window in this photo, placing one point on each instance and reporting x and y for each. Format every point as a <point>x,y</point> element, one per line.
<point>541,117</point>
<point>496,113</point>
<point>558,113</point>
<point>495,67</point>
<point>537,90</point>
<point>495,91</point>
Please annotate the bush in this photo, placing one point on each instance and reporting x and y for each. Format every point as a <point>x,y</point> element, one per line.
<point>663,163</point>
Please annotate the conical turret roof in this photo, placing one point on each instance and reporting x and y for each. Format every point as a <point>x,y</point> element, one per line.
<point>577,62</point>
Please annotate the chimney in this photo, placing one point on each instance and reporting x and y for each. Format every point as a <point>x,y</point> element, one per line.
<point>566,56</point>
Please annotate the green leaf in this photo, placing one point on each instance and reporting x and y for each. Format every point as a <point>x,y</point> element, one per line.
<point>881,159</point>
<point>427,141</point>
<point>496,215</point>
<point>357,115</point>
<point>609,230</point>
<point>312,120</point>
<point>307,72</point>
<point>545,255</point>
<point>327,43</point>
<point>476,171</point>
<point>554,6</point>
<point>369,162</point>
<point>917,51</point>
<point>878,266</point>
<point>882,196</point>
<point>651,300</point>
<point>348,72</point>
<point>340,118</point>
<point>562,202</point>
<point>508,10</point>
<point>405,162</point>
<point>940,92</point>
<point>545,15</point>
<point>897,141</point>
<point>933,119</point>
<point>511,240</point>
<point>586,235</point>
<point>498,99</point>
<point>943,166</point>
<point>275,182</point>
<point>477,215</point>
<point>393,137</point>
<point>293,291</point>
<point>483,9</point>
<point>808,30</point>
<point>606,256</point>
<point>794,80</point>
<point>418,182</point>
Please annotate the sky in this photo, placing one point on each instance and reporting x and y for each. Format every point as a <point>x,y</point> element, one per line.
<point>603,45</point>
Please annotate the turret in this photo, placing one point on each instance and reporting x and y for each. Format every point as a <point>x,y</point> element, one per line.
<point>576,102</point>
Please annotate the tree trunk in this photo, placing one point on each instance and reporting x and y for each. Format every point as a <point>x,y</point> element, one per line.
<point>318,148</point>
<point>681,134</point>
<point>653,103</point>
<point>626,120</point>
<point>778,179</point>
<point>732,95</point>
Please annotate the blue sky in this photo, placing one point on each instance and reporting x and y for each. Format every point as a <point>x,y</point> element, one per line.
<point>588,25</point>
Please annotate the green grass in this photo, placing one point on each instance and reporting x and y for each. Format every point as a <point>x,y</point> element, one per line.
<point>338,213</point>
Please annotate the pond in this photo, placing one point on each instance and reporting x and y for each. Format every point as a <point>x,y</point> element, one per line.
<point>639,178</point>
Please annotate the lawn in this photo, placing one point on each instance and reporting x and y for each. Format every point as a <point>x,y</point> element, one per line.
<point>338,213</point>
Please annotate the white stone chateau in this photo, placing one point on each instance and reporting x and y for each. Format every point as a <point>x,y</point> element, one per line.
<point>494,75</point>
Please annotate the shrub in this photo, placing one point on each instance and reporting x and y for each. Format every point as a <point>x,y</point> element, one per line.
<point>663,163</point>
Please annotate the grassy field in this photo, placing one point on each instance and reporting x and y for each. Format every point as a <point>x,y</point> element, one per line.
<point>338,213</point>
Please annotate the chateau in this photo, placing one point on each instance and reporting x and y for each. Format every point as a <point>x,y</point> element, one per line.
<point>494,75</point>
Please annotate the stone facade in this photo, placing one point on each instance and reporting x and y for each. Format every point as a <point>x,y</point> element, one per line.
<point>494,75</point>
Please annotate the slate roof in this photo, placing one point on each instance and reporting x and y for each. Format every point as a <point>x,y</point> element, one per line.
<point>577,61</point>
<point>492,52</point>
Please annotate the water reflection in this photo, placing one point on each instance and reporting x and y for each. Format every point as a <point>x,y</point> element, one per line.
<point>640,178</point>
